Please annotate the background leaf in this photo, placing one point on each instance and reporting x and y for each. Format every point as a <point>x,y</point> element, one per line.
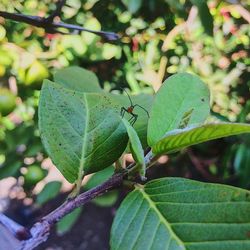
<point>133,6</point>
<point>205,15</point>
<point>67,222</point>
<point>179,94</point>
<point>79,79</point>
<point>11,168</point>
<point>96,179</point>
<point>80,130</point>
<point>178,139</point>
<point>242,165</point>
<point>177,213</point>
<point>50,191</point>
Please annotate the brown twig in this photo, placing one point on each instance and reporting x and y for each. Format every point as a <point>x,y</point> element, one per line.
<point>40,231</point>
<point>52,27</point>
<point>18,231</point>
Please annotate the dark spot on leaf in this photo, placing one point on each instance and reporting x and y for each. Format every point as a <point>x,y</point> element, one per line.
<point>60,144</point>
<point>248,234</point>
<point>202,99</point>
<point>247,196</point>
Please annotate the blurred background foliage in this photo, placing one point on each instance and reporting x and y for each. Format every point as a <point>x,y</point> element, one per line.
<point>158,38</point>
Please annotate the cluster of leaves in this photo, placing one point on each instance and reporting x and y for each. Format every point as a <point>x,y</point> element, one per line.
<point>159,38</point>
<point>83,133</point>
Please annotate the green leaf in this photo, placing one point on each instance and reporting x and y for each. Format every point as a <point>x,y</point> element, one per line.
<point>106,200</point>
<point>36,73</point>
<point>177,213</point>
<point>79,79</point>
<point>181,138</point>
<point>178,95</point>
<point>133,6</point>
<point>242,165</point>
<point>10,168</point>
<point>205,15</point>
<point>99,177</point>
<point>96,179</point>
<point>80,131</point>
<point>175,4</point>
<point>136,147</point>
<point>50,191</point>
<point>67,222</point>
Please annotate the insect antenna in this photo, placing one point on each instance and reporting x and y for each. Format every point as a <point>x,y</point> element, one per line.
<point>128,97</point>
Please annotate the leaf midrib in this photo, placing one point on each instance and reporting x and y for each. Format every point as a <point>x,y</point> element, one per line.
<point>84,138</point>
<point>178,147</point>
<point>161,218</point>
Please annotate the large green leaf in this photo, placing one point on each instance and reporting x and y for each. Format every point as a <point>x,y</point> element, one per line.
<point>180,94</point>
<point>177,213</point>
<point>181,138</point>
<point>80,131</point>
<point>79,79</point>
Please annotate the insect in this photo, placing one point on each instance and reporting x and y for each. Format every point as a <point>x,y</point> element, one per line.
<point>130,110</point>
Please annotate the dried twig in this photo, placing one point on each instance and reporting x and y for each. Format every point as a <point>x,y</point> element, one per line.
<point>53,27</point>
<point>18,231</point>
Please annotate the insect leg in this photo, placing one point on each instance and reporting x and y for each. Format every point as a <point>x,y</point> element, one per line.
<point>134,116</point>
<point>123,110</point>
<point>131,117</point>
<point>142,109</point>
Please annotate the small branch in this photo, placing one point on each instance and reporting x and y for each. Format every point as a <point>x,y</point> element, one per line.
<point>52,27</point>
<point>18,231</point>
<point>40,231</point>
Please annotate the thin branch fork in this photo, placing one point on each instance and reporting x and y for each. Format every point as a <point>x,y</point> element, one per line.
<point>29,239</point>
<point>40,231</point>
<point>52,27</point>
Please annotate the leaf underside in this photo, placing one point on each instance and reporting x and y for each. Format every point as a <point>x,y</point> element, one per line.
<point>177,213</point>
<point>135,147</point>
<point>179,139</point>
